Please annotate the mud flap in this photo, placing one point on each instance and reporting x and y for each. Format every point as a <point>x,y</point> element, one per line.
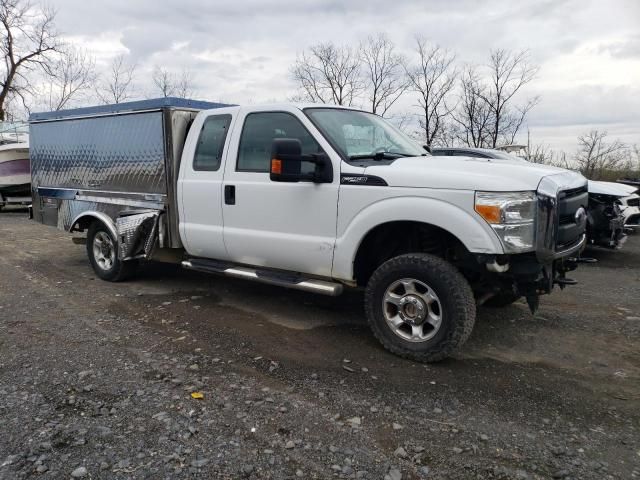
<point>137,233</point>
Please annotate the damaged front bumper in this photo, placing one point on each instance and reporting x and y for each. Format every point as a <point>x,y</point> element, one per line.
<point>523,275</point>
<point>631,217</point>
<point>611,218</point>
<point>561,225</point>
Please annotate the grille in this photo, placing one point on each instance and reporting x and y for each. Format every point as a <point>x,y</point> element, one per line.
<point>569,201</point>
<point>567,219</point>
<point>573,192</point>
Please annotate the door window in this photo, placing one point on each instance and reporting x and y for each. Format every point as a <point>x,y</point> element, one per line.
<point>261,129</point>
<point>211,143</point>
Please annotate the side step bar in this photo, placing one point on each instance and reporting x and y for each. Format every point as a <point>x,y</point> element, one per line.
<point>265,276</point>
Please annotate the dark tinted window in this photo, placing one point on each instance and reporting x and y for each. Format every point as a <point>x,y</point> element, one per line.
<point>441,153</point>
<point>211,143</point>
<point>469,153</point>
<point>258,133</point>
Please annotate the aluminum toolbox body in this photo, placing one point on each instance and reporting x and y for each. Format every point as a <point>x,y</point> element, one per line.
<point>110,160</point>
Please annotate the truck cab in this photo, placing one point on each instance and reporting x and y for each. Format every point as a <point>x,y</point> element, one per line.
<point>225,174</point>
<point>323,198</point>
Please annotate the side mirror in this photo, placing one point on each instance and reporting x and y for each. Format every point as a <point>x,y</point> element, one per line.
<point>286,160</point>
<point>286,163</point>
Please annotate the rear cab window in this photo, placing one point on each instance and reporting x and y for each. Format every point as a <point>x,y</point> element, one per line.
<point>210,145</point>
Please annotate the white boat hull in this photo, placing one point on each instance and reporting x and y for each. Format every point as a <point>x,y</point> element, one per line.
<point>15,174</point>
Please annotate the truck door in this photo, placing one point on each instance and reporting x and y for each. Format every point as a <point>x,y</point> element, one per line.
<point>289,226</point>
<point>200,184</point>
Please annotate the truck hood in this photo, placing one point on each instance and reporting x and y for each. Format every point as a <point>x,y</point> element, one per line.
<point>464,173</point>
<point>611,188</point>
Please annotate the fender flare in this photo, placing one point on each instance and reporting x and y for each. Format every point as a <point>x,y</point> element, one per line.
<point>103,217</point>
<point>474,233</point>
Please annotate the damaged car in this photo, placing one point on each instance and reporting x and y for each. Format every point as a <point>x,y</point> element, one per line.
<point>613,212</point>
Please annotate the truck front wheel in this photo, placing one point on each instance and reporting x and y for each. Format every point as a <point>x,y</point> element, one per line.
<point>420,307</point>
<point>103,254</point>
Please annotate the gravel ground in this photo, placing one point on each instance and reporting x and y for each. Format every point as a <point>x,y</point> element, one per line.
<point>177,375</point>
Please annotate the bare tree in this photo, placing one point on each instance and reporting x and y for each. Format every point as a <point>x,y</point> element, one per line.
<point>629,167</point>
<point>433,79</point>
<point>449,135</point>
<point>28,41</point>
<point>487,114</point>
<point>117,85</point>
<point>509,72</point>
<point>171,85</point>
<point>542,154</point>
<point>473,117</point>
<point>403,121</point>
<point>635,161</point>
<point>328,74</point>
<point>384,75</point>
<point>596,156</point>
<point>562,162</point>
<point>163,80</point>
<point>184,84</point>
<point>69,76</point>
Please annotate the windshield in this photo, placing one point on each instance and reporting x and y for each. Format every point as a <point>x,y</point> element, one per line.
<point>358,134</point>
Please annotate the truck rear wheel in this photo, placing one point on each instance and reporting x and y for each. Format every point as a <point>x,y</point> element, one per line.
<point>102,250</point>
<point>420,307</point>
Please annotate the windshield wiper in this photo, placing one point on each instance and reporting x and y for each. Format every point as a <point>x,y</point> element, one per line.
<point>380,156</point>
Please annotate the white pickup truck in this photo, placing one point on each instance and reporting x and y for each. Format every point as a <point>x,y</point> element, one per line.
<point>312,197</point>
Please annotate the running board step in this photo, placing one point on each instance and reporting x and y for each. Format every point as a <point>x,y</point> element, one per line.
<point>265,276</point>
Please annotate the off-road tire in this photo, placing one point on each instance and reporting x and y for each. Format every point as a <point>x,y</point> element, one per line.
<point>502,300</point>
<point>453,291</point>
<point>120,270</point>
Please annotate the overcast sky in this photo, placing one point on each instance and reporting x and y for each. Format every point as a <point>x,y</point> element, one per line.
<point>240,51</point>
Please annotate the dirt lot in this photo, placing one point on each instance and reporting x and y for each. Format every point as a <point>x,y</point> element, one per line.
<point>96,378</point>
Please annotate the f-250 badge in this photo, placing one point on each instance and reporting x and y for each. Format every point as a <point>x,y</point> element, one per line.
<point>362,180</point>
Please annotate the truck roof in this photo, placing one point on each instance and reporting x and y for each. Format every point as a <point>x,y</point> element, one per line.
<point>140,105</point>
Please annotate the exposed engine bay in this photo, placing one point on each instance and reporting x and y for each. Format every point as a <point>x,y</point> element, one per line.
<point>613,213</point>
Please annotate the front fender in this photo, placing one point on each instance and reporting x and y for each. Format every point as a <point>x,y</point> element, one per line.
<point>472,231</point>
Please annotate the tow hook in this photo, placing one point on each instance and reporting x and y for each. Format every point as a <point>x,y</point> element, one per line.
<point>495,267</point>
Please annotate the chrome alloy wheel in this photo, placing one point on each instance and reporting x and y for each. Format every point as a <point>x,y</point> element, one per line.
<point>104,251</point>
<point>412,310</point>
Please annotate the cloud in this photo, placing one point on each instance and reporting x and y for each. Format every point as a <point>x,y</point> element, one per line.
<point>626,48</point>
<point>588,104</point>
<point>241,51</point>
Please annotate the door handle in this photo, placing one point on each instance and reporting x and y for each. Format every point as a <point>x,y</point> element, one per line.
<point>230,194</point>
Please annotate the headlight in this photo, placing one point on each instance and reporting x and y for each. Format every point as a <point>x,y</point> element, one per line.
<point>512,216</point>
